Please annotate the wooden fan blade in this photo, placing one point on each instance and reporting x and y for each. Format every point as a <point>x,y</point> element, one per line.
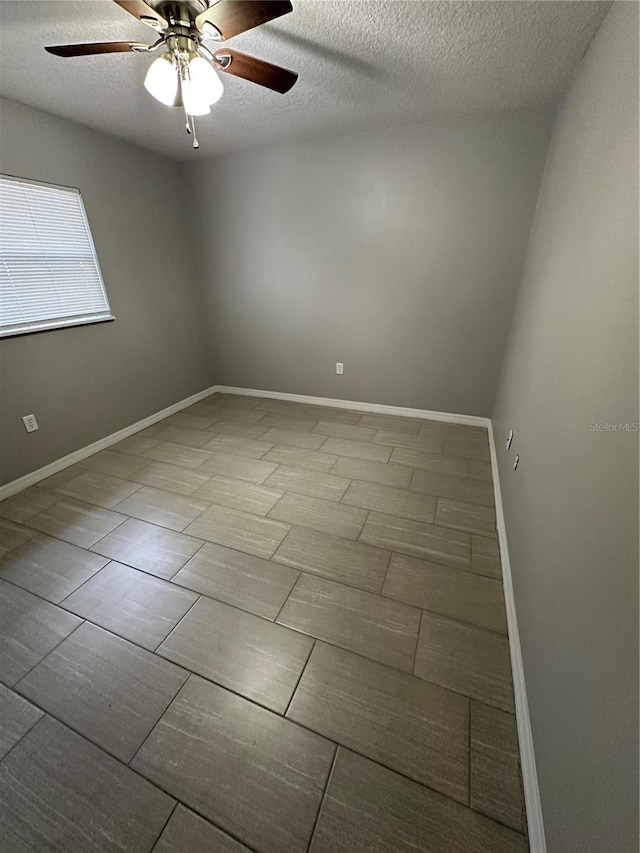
<point>256,70</point>
<point>143,12</point>
<point>67,50</point>
<point>232,17</point>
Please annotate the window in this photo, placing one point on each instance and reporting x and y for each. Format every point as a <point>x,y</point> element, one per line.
<point>49,273</point>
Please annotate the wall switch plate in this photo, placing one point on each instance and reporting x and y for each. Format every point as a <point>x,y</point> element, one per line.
<point>509,439</point>
<point>30,423</point>
<point>339,368</point>
<point>515,463</point>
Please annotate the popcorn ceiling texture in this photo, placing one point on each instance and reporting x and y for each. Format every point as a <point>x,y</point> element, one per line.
<point>363,64</point>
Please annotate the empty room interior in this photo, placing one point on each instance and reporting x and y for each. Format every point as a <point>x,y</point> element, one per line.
<point>319,426</point>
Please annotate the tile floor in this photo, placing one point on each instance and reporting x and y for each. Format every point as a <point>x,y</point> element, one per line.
<point>259,625</point>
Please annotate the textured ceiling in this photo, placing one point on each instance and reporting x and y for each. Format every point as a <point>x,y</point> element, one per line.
<point>363,64</point>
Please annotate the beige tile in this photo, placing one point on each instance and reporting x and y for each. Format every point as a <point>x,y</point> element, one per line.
<point>326,516</point>
<point>234,401</point>
<point>467,449</point>
<point>135,445</point>
<point>229,414</point>
<point>333,557</point>
<point>466,659</point>
<point>427,444</point>
<point>465,516</point>
<point>370,808</point>
<point>392,423</point>
<point>238,494</point>
<point>48,567</point>
<point>453,487</point>
<point>61,477</point>
<point>18,716</point>
<point>496,788</point>
<point>317,484</point>
<point>247,582</point>
<point>99,489</point>
<point>326,413</point>
<point>12,535</point>
<point>480,470</point>
<point>188,437</point>
<point>361,622</point>
<point>177,454</point>
<point>132,604</point>
<point>171,478</point>
<point>113,463</point>
<point>304,440</point>
<point>249,655</point>
<point>356,433</point>
<point>150,431</point>
<point>75,522</point>
<point>239,467</point>
<point>382,473</point>
<point>26,504</point>
<point>187,832</point>
<point>485,556</point>
<point>152,549</point>
<point>163,508</point>
<point>357,449</point>
<point>312,460</point>
<point>232,427</point>
<point>249,447</point>
<point>416,728</point>
<point>389,500</point>
<point>249,533</point>
<point>439,544</point>
<point>289,423</point>
<point>187,421</point>
<point>458,594</point>
<point>429,461</point>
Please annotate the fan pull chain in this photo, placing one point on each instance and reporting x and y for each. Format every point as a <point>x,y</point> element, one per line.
<point>190,126</point>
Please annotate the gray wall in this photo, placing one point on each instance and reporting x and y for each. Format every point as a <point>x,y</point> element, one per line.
<point>88,381</point>
<point>572,506</point>
<point>396,252</point>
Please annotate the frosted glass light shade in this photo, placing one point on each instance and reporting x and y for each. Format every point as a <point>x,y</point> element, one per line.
<point>162,80</point>
<point>201,87</point>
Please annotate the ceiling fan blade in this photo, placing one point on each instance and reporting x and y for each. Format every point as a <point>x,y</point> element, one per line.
<point>67,50</point>
<point>143,12</point>
<point>232,17</point>
<point>255,70</point>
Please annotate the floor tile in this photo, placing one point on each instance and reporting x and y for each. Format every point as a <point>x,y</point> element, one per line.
<point>256,775</point>
<point>105,688</point>
<point>238,467</point>
<point>451,592</point>
<point>163,508</point>
<point>466,659</point>
<point>496,788</point>
<point>466,449</point>
<point>148,547</point>
<point>373,472</point>
<point>301,481</point>
<point>240,651</point>
<point>312,460</point>
<point>427,444</point>
<point>480,470</point>
<point>288,422</point>
<point>454,487</point>
<point>186,832</point>
<point>416,728</point>
<point>390,500</point>
<point>238,494</point>
<point>295,438</point>
<point>247,582</point>
<point>171,478</point>
<point>326,516</point>
<point>465,516</point>
<point>12,535</point>
<point>99,489</point>
<point>49,567</point>
<point>393,423</point>
<point>230,415</point>
<point>233,427</point>
<point>61,477</point>
<point>60,792</point>
<point>249,533</point>
<point>369,808</point>
<point>76,522</point>
<point>434,462</point>
<point>114,464</point>
<point>187,421</point>
<point>356,433</point>
<point>26,504</point>
<point>334,557</point>
<point>440,544</point>
<point>29,629</point>
<point>135,445</point>
<point>357,449</point>
<point>485,556</point>
<point>17,716</point>
<point>132,604</point>
<point>252,448</point>
<point>359,621</point>
<point>188,437</point>
<point>177,454</point>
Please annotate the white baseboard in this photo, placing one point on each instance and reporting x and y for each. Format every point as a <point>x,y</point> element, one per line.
<point>356,406</point>
<point>537,843</point>
<point>78,455</point>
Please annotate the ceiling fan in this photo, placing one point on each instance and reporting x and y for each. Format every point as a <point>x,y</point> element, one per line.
<point>184,75</point>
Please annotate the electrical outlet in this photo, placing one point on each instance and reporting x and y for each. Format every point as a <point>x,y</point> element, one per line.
<point>339,368</point>
<point>30,423</point>
<point>509,439</point>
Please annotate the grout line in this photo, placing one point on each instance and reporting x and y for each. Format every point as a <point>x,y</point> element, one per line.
<point>322,798</point>
<point>171,813</point>
<point>50,652</point>
<point>293,692</point>
<point>182,618</point>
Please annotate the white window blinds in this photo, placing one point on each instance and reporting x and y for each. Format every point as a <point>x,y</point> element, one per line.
<point>49,273</point>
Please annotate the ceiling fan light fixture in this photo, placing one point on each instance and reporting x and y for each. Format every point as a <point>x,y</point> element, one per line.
<point>162,80</point>
<point>201,86</point>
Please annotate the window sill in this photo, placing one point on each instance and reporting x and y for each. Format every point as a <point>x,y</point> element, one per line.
<point>53,326</point>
